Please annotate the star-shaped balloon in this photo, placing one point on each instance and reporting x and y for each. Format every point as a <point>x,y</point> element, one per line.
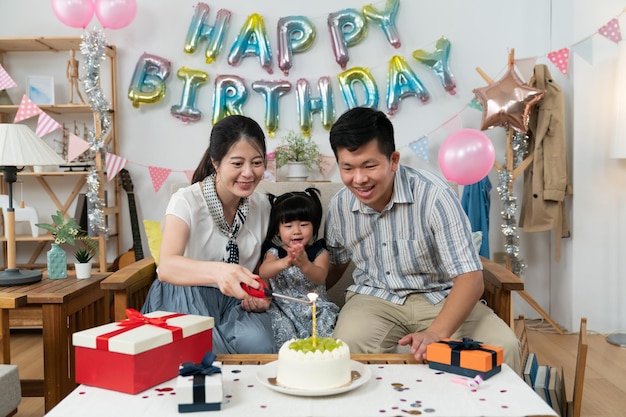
<point>507,102</point>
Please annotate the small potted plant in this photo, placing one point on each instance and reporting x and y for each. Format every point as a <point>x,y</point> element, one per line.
<point>299,153</point>
<point>83,261</point>
<point>69,232</point>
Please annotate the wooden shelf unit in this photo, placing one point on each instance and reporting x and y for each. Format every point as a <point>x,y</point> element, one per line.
<point>10,46</point>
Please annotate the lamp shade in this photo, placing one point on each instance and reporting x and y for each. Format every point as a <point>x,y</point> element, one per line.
<point>20,146</point>
<point>618,134</point>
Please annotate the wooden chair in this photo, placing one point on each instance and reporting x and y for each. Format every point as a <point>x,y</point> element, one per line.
<point>574,407</point>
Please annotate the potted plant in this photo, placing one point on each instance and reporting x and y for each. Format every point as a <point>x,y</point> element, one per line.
<point>83,261</point>
<point>64,231</point>
<point>299,153</point>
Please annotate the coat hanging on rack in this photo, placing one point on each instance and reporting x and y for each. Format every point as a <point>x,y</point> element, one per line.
<point>546,179</point>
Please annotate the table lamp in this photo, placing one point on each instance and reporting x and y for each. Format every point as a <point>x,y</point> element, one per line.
<point>19,146</point>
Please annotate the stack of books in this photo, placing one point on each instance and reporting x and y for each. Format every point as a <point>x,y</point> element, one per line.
<point>547,382</point>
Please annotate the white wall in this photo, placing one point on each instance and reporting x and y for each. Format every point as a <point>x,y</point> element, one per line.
<point>481,33</point>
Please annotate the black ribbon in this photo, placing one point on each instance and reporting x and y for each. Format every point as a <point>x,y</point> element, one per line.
<point>466,343</point>
<point>199,372</point>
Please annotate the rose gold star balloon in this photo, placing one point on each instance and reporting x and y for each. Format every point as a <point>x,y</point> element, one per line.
<point>507,102</point>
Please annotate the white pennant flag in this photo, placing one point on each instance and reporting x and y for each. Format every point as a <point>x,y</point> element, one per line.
<point>77,146</point>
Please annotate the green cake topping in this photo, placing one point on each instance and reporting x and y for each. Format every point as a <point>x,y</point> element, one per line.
<point>321,343</point>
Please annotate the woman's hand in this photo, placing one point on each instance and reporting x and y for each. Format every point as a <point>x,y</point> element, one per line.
<point>255,305</point>
<point>230,278</point>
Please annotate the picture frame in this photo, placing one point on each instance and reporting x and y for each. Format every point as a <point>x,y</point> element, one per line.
<point>40,89</point>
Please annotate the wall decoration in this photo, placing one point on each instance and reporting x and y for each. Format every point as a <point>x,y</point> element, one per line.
<point>186,110</point>
<point>252,41</point>
<point>438,61</point>
<point>229,95</point>
<point>271,92</point>
<point>309,105</point>
<point>148,82</point>
<point>40,89</point>
<point>296,34</point>
<point>199,29</point>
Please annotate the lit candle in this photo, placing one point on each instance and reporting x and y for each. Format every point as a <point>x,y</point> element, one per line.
<point>313,297</point>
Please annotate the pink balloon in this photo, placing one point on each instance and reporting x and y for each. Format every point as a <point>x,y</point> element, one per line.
<point>73,13</point>
<point>116,14</point>
<point>466,156</point>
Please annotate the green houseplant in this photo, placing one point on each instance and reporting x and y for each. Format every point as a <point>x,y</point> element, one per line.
<point>299,149</point>
<point>66,231</point>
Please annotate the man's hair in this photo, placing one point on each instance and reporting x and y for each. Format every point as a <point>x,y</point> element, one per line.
<point>358,127</point>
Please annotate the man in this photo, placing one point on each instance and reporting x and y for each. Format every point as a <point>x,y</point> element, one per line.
<point>418,277</point>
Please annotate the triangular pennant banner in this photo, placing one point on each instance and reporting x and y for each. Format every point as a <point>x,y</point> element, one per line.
<point>5,80</point>
<point>420,147</point>
<point>26,110</point>
<point>560,59</point>
<point>76,147</point>
<point>189,174</point>
<point>46,124</point>
<point>475,104</point>
<point>158,175</point>
<point>327,163</point>
<point>526,67</point>
<point>113,163</point>
<point>611,30</point>
<point>584,49</point>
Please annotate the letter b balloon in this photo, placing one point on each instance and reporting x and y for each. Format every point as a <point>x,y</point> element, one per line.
<point>466,156</point>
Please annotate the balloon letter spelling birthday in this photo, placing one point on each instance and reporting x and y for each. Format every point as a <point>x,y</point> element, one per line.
<point>308,105</point>
<point>252,41</point>
<point>386,19</point>
<point>148,82</point>
<point>402,82</point>
<point>271,91</point>
<point>347,28</point>
<point>228,97</point>
<point>187,110</point>
<point>362,77</point>
<point>115,14</point>
<point>466,156</point>
<point>73,13</point>
<point>438,62</point>
<point>199,29</point>
<point>295,34</point>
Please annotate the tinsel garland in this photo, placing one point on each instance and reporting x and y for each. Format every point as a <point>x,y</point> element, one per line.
<point>519,145</point>
<point>93,49</point>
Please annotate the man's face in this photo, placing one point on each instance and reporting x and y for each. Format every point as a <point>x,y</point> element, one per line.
<point>368,174</point>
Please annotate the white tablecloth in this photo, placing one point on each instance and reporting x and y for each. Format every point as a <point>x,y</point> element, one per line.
<point>392,390</point>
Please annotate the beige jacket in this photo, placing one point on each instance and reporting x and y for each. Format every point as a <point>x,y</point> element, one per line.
<point>546,180</point>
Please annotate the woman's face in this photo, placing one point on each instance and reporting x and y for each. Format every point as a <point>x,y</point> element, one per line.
<point>241,169</point>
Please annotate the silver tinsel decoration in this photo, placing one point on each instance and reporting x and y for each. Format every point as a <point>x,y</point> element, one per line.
<point>93,50</point>
<point>519,144</point>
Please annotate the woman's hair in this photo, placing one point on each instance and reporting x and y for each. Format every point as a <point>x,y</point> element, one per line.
<point>297,205</point>
<point>358,127</point>
<point>224,135</point>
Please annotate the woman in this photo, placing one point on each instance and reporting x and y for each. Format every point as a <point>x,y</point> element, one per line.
<point>213,231</point>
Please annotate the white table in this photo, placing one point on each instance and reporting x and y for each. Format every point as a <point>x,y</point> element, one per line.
<point>392,390</point>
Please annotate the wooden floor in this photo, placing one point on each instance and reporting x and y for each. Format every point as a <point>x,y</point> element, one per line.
<point>605,379</point>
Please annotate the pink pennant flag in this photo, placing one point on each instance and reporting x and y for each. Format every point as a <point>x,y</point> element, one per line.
<point>326,164</point>
<point>26,110</point>
<point>5,80</point>
<point>77,146</point>
<point>560,59</point>
<point>158,175</point>
<point>46,124</point>
<point>189,174</point>
<point>113,163</point>
<point>611,30</point>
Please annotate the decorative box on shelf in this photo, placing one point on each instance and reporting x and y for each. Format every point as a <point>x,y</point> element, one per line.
<point>465,357</point>
<point>143,351</point>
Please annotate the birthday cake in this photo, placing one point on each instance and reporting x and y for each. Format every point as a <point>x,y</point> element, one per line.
<point>303,364</point>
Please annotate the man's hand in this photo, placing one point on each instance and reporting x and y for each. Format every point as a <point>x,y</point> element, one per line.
<point>418,343</point>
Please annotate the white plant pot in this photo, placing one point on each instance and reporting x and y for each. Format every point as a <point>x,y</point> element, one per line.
<point>83,271</point>
<point>297,171</point>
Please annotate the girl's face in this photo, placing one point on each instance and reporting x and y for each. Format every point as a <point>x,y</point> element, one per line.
<point>297,232</point>
<point>240,170</point>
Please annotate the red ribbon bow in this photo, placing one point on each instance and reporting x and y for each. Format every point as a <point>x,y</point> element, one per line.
<point>136,319</point>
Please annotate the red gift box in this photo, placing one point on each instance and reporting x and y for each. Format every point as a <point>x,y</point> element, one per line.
<point>143,351</point>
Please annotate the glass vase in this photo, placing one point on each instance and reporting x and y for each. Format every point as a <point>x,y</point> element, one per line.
<point>57,262</point>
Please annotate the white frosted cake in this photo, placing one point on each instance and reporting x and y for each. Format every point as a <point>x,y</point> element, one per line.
<point>302,366</point>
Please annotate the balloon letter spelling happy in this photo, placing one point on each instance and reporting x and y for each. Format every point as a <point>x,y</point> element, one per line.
<point>199,29</point>
<point>386,19</point>
<point>252,41</point>
<point>295,34</point>
<point>347,28</point>
<point>148,82</point>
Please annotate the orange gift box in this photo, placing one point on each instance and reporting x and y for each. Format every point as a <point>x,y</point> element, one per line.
<point>465,357</point>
